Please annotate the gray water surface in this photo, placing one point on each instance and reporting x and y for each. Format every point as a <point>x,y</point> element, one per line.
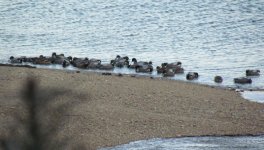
<point>212,37</point>
<point>196,143</point>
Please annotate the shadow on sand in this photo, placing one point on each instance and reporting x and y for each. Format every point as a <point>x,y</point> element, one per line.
<point>40,122</point>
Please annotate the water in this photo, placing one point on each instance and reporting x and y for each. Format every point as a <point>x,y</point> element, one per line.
<point>196,143</point>
<point>212,37</point>
<point>256,96</point>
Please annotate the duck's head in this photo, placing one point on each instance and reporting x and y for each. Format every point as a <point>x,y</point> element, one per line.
<point>196,74</point>
<point>164,64</point>
<point>69,58</point>
<point>179,63</point>
<point>134,60</point>
<point>54,54</point>
<point>118,56</point>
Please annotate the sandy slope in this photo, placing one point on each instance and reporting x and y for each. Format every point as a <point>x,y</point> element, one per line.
<point>111,110</point>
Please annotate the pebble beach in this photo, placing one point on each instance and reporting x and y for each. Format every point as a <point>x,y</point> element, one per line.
<point>110,110</point>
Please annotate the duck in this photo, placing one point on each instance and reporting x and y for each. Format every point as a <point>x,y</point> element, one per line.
<point>140,63</point>
<point>23,58</point>
<point>176,66</point>
<point>178,70</point>
<point>160,69</point>
<point>65,63</point>
<point>94,63</point>
<point>12,60</point>
<point>133,66</point>
<point>58,59</point>
<point>29,59</point>
<point>106,67</point>
<point>173,65</point>
<point>218,79</point>
<point>192,75</point>
<point>120,61</point>
<point>252,72</point>
<point>242,80</point>
<point>42,60</point>
<point>80,62</point>
<point>169,73</point>
<point>144,69</point>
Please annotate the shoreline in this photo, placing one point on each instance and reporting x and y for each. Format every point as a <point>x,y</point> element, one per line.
<point>113,110</point>
<point>197,136</point>
<point>101,72</point>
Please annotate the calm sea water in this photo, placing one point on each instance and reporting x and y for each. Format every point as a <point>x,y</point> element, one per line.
<point>212,37</point>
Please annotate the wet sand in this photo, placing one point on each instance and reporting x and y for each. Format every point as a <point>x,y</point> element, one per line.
<point>113,110</point>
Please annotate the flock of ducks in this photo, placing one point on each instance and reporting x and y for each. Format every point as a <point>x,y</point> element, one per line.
<point>166,69</point>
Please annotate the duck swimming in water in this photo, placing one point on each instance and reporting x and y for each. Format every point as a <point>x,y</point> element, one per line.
<point>218,79</point>
<point>242,80</point>
<point>252,72</point>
